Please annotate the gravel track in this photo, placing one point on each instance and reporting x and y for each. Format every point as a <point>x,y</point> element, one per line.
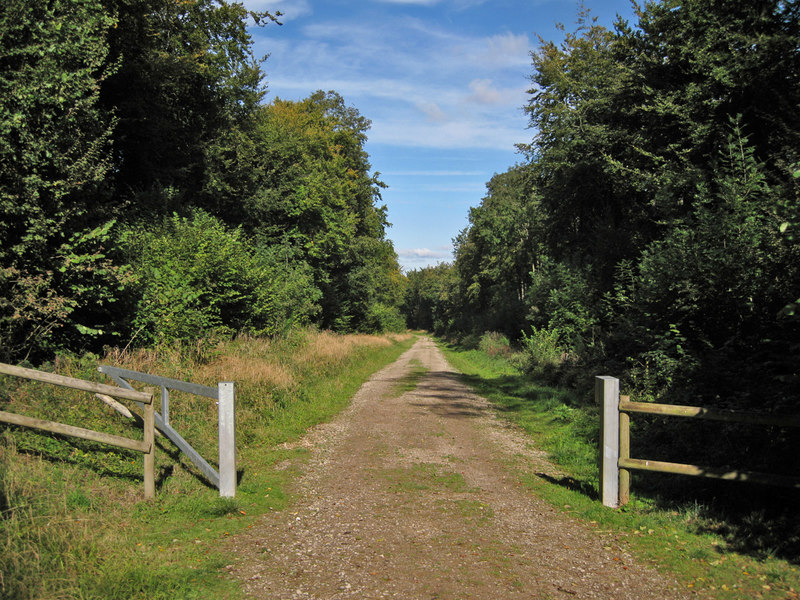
<point>414,496</point>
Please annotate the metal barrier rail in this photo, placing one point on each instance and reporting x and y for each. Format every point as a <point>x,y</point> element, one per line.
<point>224,394</point>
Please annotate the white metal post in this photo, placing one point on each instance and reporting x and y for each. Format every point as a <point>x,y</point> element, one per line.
<point>227,439</point>
<point>165,404</point>
<point>606,393</point>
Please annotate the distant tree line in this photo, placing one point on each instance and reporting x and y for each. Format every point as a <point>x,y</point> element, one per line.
<point>148,193</point>
<point>652,230</point>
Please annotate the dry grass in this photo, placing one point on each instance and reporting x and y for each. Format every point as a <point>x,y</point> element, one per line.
<point>165,361</point>
<point>257,371</point>
<point>264,362</point>
<point>399,337</point>
<point>259,361</point>
<point>326,348</point>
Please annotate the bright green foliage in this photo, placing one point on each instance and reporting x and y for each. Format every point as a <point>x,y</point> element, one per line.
<point>199,278</point>
<point>304,175</point>
<point>54,137</point>
<point>497,252</point>
<point>373,287</point>
<point>298,176</point>
<point>542,352</point>
<point>430,299</point>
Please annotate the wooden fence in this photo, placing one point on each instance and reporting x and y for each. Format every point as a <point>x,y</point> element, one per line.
<point>145,446</point>
<point>616,462</point>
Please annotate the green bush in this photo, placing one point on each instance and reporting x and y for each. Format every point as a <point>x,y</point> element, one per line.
<point>560,299</point>
<point>494,344</point>
<point>382,318</point>
<point>199,278</point>
<point>697,313</point>
<point>542,351</point>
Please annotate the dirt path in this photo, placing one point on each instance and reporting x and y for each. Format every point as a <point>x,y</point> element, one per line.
<point>410,496</point>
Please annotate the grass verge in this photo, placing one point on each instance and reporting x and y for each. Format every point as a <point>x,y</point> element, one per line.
<point>72,523</point>
<point>720,541</point>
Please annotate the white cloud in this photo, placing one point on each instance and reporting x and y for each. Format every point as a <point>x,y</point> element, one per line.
<point>488,96</point>
<point>474,133</point>
<point>415,258</point>
<point>434,173</point>
<point>419,84</point>
<point>432,111</point>
<point>507,49</point>
<point>423,253</point>
<point>483,92</point>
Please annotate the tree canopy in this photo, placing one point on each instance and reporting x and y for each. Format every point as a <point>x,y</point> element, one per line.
<point>649,231</point>
<point>142,170</point>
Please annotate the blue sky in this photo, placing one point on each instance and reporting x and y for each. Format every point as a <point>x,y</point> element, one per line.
<point>443,82</point>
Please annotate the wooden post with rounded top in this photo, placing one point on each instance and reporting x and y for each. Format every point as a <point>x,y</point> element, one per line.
<point>149,440</point>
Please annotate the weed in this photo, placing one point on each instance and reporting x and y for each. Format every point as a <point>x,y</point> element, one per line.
<point>494,344</point>
<point>543,350</point>
<point>424,476</point>
<point>225,506</point>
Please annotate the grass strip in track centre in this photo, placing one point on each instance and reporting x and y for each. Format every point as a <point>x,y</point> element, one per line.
<point>410,382</point>
<point>714,557</point>
<point>72,523</point>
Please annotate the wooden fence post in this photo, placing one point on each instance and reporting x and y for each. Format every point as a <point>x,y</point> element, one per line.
<point>624,453</point>
<point>606,393</point>
<point>149,440</point>
<point>227,439</point>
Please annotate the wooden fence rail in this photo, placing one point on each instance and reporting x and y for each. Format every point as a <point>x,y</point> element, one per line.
<point>615,459</point>
<point>145,446</point>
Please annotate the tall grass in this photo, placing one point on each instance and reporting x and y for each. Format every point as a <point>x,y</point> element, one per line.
<point>72,523</point>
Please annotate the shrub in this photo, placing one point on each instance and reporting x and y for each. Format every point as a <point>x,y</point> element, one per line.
<point>494,344</point>
<point>542,351</point>
<point>381,318</point>
<point>198,278</point>
<point>560,299</point>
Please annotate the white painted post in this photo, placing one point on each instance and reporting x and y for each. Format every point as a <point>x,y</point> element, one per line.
<point>165,404</point>
<point>227,439</point>
<point>606,393</point>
